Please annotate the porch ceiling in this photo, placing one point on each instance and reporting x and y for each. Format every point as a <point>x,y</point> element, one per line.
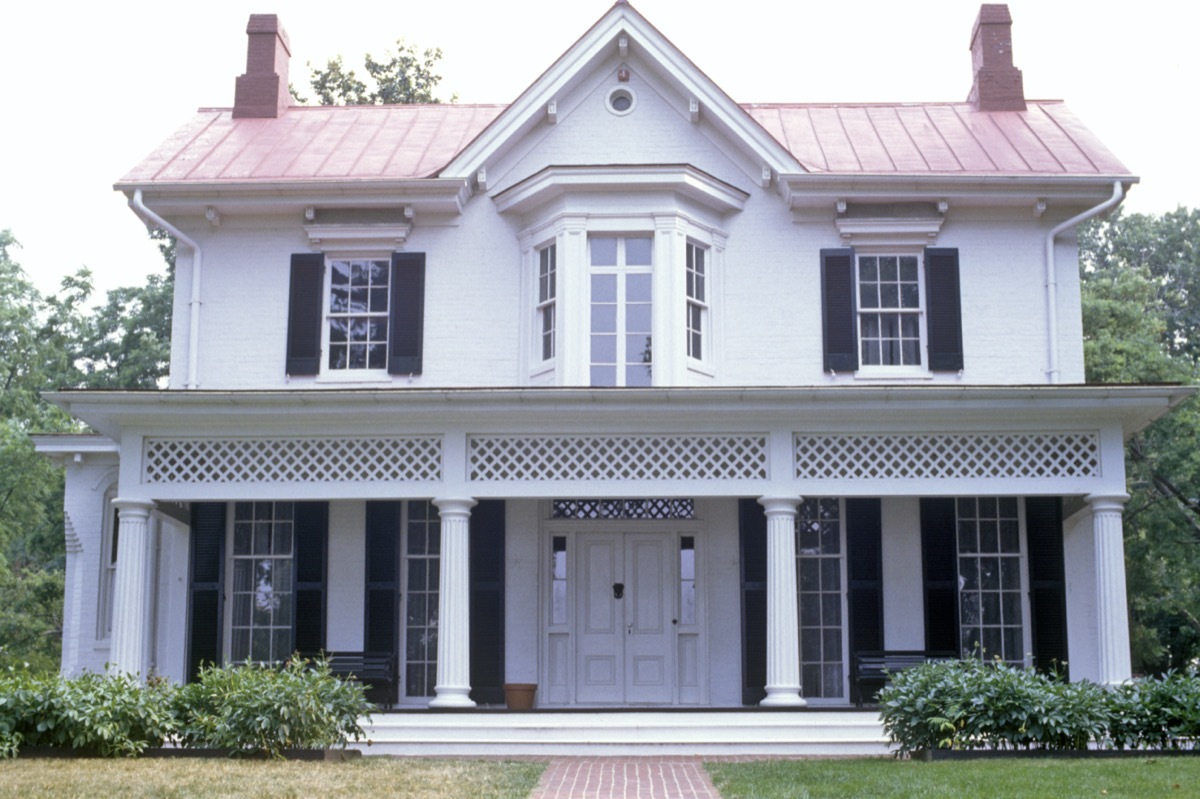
<point>869,408</point>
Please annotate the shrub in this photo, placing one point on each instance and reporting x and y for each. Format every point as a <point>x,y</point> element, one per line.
<point>970,704</point>
<point>264,709</point>
<point>111,715</point>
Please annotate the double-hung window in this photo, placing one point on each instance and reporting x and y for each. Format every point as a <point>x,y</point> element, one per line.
<point>356,318</point>
<point>890,319</point>
<point>893,313</point>
<point>697,301</point>
<point>357,321</point>
<point>547,294</point>
<point>621,310</point>
<point>261,626</point>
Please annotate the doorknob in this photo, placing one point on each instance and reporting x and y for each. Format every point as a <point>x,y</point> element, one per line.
<point>618,590</point>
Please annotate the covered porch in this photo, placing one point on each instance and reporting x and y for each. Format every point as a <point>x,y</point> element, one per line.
<point>693,550</point>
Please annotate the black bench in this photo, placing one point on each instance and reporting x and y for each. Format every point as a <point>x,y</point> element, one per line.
<point>376,671</point>
<point>873,670</point>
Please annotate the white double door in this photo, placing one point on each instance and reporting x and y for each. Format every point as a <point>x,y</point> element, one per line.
<point>625,621</point>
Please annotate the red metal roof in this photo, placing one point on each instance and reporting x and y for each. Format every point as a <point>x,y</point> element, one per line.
<point>414,141</point>
<point>938,138</point>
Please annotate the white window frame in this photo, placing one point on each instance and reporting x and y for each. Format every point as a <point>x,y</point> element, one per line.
<point>353,374</point>
<point>432,560</point>
<point>546,304</point>
<point>892,371</point>
<point>622,271</point>
<point>698,324</point>
<point>106,596</point>
<point>232,557</point>
<point>844,604</point>
<point>1022,590</point>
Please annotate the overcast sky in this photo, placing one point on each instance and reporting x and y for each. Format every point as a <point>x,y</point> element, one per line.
<point>91,89</point>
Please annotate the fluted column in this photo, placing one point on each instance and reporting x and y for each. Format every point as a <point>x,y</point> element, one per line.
<point>133,592</point>
<point>454,606</point>
<point>783,633</point>
<point>1112,612</point>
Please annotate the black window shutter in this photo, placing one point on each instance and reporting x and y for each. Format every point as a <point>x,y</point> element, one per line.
<point>311,541</point>
<point>305,308</point>
<point>1047,582</point>
<point>864,568</point>
<point>837,310</point>
<point>939,558</point>
<point>942,295</point>
<point>487,602</point>
<point>406,322</point>
<point>752,534</point>
<point>205,578</point>
<point>383,577</point>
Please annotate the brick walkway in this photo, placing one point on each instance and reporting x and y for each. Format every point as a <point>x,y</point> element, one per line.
<point>625,778</point>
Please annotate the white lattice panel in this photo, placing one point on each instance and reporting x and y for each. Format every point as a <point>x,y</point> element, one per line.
<point>618,457</point>
<point>292,460</point>
<point>941,456</point>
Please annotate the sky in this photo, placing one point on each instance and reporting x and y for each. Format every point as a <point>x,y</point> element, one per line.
<point>90,89</point>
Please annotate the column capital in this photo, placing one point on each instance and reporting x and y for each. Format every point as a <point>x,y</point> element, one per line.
<point>1107,502</point>
<point>454,506</point>
<point>773,505</point>
<point>133,507</point>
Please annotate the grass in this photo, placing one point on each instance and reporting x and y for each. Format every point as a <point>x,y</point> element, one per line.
<point>208,779</point>
<point>1010,779</point>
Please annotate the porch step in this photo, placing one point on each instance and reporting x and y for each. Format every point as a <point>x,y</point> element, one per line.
<point>600,733</point>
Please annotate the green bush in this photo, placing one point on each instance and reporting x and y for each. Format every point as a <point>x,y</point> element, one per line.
<point>112,715</point>
<point>265,709</point>
<point>970,704</point>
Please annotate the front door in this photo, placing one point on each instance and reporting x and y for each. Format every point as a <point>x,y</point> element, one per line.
<point>625,621</point>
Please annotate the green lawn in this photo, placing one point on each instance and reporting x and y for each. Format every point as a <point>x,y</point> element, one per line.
<point>207,779</point>
<point>1137,778</point>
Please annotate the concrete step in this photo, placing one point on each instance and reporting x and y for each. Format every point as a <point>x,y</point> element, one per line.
<point>598,733</point>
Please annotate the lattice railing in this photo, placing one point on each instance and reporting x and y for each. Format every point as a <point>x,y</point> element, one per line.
<point>618,457</point>
<point>940,456</point>
<point>293,460</point>
<point>657,508</point>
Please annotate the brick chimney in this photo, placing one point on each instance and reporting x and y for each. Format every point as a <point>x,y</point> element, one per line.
<point>998,85</point>
<point>263,90</point>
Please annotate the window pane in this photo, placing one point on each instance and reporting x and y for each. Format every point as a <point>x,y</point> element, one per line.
<point>637,376</point>
<point>637,287</point>
<point>868,268</point>
<point>604,250</point>
<point>376,356</point>
<point>604,349</point>
<point>908,268</point>
<point>604,376</point>
<point>604,288</point>
<point>604,319</point>
<point>888,268</point>
<point>868,295</point>
<point>637,318</point>
<point>638,252</point>
<point>889,296</point>
<point>910,295</point>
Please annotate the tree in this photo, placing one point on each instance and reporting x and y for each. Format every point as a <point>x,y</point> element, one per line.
<point>1140,320</point>
<point>405,76</point>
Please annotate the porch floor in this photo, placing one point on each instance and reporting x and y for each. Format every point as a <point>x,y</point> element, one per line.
<point>606,733</point>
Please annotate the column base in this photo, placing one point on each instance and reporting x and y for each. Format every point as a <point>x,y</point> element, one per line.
<point>783,697</point>
<point>452,697</point>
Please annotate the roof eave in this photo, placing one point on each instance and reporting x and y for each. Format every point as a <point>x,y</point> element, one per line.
<point>821,190</point>
<point>423,195</point>
<point>110,412</point>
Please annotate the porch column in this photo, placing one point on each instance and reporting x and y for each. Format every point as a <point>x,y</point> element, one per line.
<point>132,592</point>
<point>454,599</point>
<point>1112,613</point>
<point>783,633</point>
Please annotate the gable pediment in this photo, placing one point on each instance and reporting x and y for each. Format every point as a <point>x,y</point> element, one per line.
<point>621,44</point>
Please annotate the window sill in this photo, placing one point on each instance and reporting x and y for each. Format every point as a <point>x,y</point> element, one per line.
<point>363,376</point>
<point>892,373</point>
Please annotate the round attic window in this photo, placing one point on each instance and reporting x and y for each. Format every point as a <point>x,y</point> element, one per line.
<point>621,100</point>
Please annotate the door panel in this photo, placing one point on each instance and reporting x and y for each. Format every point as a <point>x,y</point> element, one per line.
<point>600,661</point>
<point>625,642</point>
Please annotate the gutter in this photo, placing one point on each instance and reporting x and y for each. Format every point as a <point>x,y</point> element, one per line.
<point>1052,369</point>
<point>194,302</point>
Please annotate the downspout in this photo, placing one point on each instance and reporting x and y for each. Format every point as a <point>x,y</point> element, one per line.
<point>1052,282</point>
<point>194,302</point>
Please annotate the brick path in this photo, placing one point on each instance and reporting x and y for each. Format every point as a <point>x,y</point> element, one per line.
<point>625,778</point>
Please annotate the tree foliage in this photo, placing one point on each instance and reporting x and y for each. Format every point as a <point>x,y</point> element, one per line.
<point>404,76</point>
<point>46,343</point>
<point>1141,319</point>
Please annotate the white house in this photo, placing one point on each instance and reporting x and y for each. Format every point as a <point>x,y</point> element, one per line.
<point>623,389</point>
